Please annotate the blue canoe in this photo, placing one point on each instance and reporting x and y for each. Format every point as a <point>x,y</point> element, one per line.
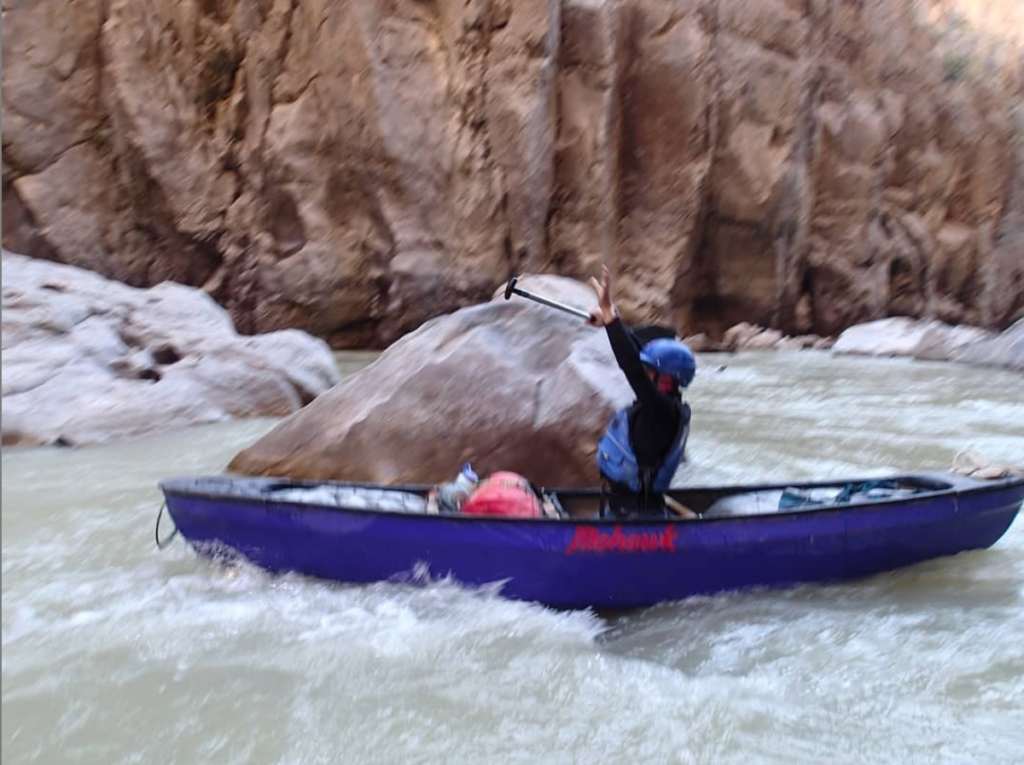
<point>364,533</point>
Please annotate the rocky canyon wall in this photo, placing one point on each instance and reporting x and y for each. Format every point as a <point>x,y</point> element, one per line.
<point>353,168</point>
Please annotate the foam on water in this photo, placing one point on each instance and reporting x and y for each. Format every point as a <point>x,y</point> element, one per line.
<point>116,653</point>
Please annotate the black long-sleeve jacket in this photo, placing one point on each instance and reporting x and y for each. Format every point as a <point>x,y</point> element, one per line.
<point>654,419</point>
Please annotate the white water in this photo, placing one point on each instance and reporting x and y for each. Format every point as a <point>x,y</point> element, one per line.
<point>116,653</point>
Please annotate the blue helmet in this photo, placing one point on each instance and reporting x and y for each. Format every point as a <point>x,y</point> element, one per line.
<point>670,357</point>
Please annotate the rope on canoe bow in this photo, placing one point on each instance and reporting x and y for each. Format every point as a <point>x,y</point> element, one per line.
<point>161,544</point>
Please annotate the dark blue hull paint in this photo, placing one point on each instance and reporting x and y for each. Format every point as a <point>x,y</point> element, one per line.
<point>533,557</point>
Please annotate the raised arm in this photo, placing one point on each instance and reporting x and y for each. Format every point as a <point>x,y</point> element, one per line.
<point>624,344</point>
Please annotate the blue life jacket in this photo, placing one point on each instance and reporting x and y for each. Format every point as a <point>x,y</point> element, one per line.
<point>617,460</point>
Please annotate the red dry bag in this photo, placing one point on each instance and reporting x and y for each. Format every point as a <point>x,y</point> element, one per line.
<point>505,494</point>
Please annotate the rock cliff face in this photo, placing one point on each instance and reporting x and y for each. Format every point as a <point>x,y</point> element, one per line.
<point>353,168</point>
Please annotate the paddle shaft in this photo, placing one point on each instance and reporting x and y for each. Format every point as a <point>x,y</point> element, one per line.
<point>679,508</point>
<point>511,289</point>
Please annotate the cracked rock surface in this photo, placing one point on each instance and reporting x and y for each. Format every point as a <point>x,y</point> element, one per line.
<point>354,168</point>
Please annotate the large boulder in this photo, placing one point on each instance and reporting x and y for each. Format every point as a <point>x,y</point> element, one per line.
<point>86,359</point>
<point>506,385</point>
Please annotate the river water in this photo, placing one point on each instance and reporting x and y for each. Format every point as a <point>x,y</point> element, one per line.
<point>116,653</point>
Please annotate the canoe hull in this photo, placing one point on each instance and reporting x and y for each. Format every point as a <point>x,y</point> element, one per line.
<point>574,564</point>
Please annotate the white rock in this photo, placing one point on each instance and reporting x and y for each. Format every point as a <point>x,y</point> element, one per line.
<point>897,336</point>
<point>86,359</point>
<point>935,341</point>
<point>1004,350</point>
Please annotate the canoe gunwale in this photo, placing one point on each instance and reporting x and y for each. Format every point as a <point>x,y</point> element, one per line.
<point>954,487</point>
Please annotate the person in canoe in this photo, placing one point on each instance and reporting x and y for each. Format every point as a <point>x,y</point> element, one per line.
<point>644,443</point>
